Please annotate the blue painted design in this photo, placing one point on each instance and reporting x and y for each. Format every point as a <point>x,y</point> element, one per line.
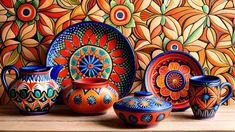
<point>203,80</point>
<point>160,117</point>
<point>120,15</point>
<point>175,75</point>
<point>142,93</point>
<point>133,119</point>
<point>146,117</point>
<point>91,100</point>
<point>107,99</point>
<point>113,91</point>
<point>26,12</point>
<point>174,47</point>
<point>206,97</point>
<point>77,99</point>
<point>207,113</point>
<point>142,103</point>
<point>90,71</point>
<point>216,107</point>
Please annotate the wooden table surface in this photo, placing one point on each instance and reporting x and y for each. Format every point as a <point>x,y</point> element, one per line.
<point>61,118</point>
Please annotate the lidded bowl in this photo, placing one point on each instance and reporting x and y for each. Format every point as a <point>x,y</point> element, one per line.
<point>142,108</point>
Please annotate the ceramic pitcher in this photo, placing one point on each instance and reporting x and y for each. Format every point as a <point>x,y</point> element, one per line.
<point>34,90</point>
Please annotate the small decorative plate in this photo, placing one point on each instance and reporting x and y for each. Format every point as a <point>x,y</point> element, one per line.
<point>167,76</point>
<point>92,49</point>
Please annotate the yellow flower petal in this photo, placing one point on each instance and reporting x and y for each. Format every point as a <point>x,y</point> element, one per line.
<point>196,4</point>
<point>217,58</point>
<point>160,81</point>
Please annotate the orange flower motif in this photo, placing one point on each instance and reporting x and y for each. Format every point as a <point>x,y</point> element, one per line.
<point>173,80</point>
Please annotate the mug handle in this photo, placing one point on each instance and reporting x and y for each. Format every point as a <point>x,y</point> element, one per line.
<point>230,91</point>
<point>3,75</point>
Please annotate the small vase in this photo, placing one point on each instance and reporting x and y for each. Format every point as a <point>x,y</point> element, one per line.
<point>90,96</point>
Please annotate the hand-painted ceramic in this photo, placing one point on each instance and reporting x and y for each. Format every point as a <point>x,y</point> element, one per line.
<point>90,96</point>
<point>167,76</point>
<point>34,91</point>
<point>204,95</point>
<point>92,49</point>
<point>142,109</point>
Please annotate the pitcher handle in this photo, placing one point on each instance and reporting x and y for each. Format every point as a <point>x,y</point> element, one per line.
<point>230,91</point>
<point>3,75</point>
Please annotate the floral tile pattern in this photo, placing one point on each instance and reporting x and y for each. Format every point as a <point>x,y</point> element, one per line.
<point>203,28</point>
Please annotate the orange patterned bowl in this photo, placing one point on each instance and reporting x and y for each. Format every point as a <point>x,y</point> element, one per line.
<point>142,109</point>
<point>90,96</point>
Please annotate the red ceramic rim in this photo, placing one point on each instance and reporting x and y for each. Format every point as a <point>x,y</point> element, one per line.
<point>89,83</point>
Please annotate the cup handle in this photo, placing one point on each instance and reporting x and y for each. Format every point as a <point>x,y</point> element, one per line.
<point>3,75</point>
<point>230,91</point>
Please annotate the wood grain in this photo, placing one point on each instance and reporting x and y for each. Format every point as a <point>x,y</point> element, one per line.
<point>61,118</point>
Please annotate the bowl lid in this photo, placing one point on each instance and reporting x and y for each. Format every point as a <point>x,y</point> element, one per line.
<point>142,101</point>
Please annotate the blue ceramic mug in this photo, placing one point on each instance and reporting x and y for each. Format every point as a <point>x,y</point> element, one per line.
<point>204,95</point>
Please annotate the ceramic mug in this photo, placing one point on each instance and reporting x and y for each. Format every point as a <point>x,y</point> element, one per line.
<point>204,95</point>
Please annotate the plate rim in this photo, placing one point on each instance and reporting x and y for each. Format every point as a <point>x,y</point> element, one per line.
<point>162,54</point>
<point>127,90</point>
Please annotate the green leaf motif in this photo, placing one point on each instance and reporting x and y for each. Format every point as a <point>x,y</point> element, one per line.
<point>35,3</point>
<point>18,3</point>
<point>19,48</point>
<point>163,20</point>
<point>130,24</point>
<point>181,39</point>
<point>205,9</point>
<point>233,37</point>
<point>39,37</point>
<point>19,23</point>
<point>195,35</point>
<point>208,22</point>
<point>163,8</point>
<point>165,42</point>
<point>13,58</point>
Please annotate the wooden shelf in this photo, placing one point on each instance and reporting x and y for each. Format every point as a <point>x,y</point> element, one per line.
<point>61,118</point>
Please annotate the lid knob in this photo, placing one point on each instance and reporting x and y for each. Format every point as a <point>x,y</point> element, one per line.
<point>142,93</point>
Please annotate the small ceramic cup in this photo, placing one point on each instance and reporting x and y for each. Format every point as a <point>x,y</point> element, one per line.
<point>204,95</point>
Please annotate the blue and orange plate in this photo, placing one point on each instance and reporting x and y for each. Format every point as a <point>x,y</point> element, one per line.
<point>93,49</point>
<point>167,76</point>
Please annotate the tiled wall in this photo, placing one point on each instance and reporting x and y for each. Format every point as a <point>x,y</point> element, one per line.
<point>203,28</point>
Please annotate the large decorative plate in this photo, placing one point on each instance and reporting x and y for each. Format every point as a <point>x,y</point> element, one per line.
<point>167,76</point>
<point>92,49</point>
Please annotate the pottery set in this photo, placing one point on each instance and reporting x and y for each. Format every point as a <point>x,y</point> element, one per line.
<point>96,66</point>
